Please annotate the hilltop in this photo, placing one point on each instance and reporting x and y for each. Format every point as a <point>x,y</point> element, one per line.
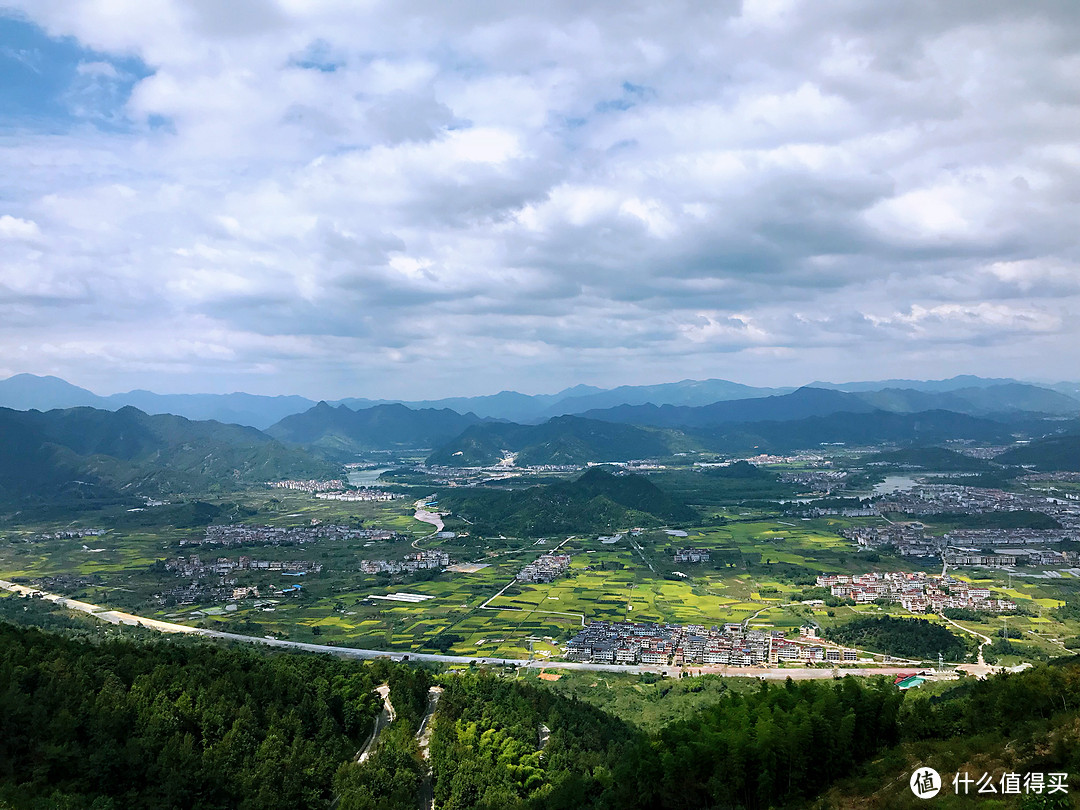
<point>562,440</point>
<point>597,501</point>
<point>342,432</point>
<point>85,453</point>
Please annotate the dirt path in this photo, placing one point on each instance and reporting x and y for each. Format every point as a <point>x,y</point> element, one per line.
<point>423,737</point>
<point>384,718</point>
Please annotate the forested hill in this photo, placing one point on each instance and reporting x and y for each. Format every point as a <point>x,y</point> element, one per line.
<point>596,501</point>
<point>342,432</point>
<point>563,440</point>
<point>85,453</point>
<point>169,725</point>
<point>1050,454</point>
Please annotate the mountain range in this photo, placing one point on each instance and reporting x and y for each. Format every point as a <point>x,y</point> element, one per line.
<point>966,394</point>
<point>92,454</point>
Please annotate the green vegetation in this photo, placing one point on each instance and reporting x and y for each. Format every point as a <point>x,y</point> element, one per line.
<point>938,459</point>
<point>162,725</point>
<point>597,501</point>
<point>87,457</point>
<point>1049,454</point>
<point>1016,519</point>
<point>342,433</point>
<point>908,638</point>
<point>563,440</point>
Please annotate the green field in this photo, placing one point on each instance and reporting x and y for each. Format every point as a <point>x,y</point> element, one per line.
<point>761,564</point>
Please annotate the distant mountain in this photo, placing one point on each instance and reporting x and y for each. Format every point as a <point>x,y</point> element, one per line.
<point>241,409</point>
<point>87,452</point>
<point>342,433</point>
<point>509,405</point>
<point>26,391</point>
<point>598,501</point>
<point>562,440</point>
<point>686,392</point>
<point>1049,454</point>
<point>799,404</point>
<point>976,400</point>
<point>936,386</point>
<point>857,429</point>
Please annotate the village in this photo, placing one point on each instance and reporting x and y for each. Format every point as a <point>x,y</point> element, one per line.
<point>915,592</point>
<point>241,535</point>
<point>546,568</point>
<point>672,644</point>
<point>419,561</point>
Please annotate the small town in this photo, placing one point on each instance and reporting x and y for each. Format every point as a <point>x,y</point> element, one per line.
<point>240,535</point>
<point>546,568</point>
<point>915,592</point>
<point>420,561</point>
<point>310,485</point>
<point>672,644</point>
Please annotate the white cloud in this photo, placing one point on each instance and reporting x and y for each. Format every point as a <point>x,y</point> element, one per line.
<point>389,198</point>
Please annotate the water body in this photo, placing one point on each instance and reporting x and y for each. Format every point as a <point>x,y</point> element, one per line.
<point>366,478</point>
<point>894,483</point>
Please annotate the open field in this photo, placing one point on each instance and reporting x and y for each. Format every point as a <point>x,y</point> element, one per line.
<point>760,565</point>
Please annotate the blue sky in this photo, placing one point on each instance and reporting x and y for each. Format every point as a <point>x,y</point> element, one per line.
<point>409,199</point>
<point>54,84</point>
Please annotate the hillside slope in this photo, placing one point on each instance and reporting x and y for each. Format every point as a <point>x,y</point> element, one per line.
<point>85,452</point>
<point>342,432</point>
<point>597,501</point>
<point>562,440</point>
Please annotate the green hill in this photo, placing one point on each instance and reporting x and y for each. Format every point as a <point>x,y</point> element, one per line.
<point>562,440</point>
<point>1050,454</point>
<point>342,433</point>
<point>598,501</point>
<point>938,459</point>
<point>84,453</point>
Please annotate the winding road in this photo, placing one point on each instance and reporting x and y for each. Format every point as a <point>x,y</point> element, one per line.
<point>384,718</point>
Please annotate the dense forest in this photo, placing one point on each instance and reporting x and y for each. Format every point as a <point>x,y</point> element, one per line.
<point>159,724</point>
<point>166,725</point>
<point>905,638</point>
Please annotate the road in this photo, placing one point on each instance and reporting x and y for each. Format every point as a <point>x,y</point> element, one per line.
<point>384,718</point>
<point>121,618</point>
<point>423,737</point>
<point>980,669</point>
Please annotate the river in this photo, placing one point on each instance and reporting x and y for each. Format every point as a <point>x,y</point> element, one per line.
<point>366,478</point>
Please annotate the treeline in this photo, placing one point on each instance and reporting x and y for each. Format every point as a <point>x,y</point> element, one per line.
<point>779,746</point>
<point>166,725</point>
<point>763,749</point>
<point>907,638</point>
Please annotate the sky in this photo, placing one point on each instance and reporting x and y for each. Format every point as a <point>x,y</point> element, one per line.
<point>417,199</point>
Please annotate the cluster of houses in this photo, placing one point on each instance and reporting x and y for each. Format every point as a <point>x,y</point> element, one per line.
<point>420,561</point>
<point>310,485</point>
<point>990,538</point>
<point>66,534</point>
<point>678,645</point>
<point>954,498</point>
<point>915,592</point>
<point>909,539</point>
<point>363,494</point>
<point>194,566</point>
<point>243,535</point>
<point>691,555</point>
<point>546,568</point>
<point>968,546</point>
<point>817,480</point>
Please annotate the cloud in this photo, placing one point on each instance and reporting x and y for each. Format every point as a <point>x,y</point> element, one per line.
<point>402,198</point>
